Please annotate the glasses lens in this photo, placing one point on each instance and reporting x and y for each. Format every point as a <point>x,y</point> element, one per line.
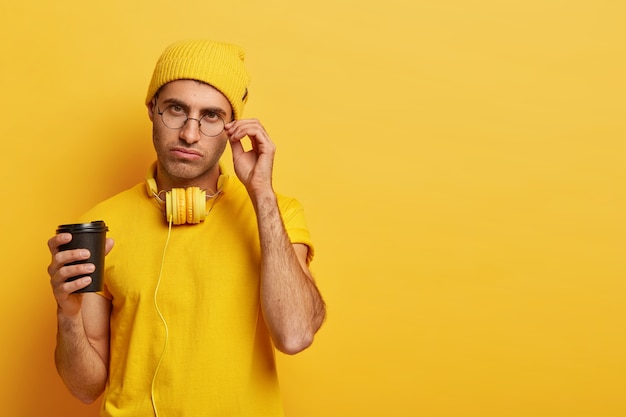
<point>174,117</point>
<point>211,124</point>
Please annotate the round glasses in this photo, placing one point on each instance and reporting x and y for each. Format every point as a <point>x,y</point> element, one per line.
<point>175,117</point>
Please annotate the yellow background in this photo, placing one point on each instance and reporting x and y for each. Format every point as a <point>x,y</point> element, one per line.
<point>462,165</point>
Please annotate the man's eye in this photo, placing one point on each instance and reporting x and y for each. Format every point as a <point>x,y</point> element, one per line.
<point>176,109</point>
<point>211,117</point>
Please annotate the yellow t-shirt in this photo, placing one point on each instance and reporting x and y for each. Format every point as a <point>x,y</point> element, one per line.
<point>199,347</point>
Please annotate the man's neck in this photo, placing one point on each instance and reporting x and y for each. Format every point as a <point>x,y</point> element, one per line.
<point>207,181</point>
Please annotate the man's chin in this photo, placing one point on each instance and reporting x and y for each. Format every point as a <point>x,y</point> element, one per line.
<point>184,172</point>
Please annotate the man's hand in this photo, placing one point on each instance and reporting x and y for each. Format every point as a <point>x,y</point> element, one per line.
<point>82,350</point>
<point>69,304</point>
<point>253,167</point>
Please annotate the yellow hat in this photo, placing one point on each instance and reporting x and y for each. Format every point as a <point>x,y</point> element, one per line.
<point>216,63</point>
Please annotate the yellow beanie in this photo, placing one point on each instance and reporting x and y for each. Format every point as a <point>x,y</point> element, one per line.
<point>216,63</point>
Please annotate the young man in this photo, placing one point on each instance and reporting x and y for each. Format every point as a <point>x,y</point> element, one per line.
<point>196,295</point>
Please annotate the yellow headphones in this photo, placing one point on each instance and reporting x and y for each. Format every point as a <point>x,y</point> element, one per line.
<point>182,205</point>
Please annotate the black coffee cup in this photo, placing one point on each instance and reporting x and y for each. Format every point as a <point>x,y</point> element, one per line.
<point>91,236</point>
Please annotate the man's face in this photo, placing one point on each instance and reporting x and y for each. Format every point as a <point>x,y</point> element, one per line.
<point>186,156</point>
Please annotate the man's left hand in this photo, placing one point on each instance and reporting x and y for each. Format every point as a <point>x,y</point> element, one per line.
<point>253,167</point>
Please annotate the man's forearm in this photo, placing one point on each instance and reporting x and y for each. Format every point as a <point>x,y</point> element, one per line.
<point>292,305</point>
<point>80,366</point>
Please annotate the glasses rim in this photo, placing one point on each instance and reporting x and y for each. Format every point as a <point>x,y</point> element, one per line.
<point>160,113</point>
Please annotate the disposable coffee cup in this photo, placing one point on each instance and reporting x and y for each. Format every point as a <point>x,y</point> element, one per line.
<point>91,236</point>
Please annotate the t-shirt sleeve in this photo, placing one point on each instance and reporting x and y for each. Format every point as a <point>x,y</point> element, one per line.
<point>292,213</point>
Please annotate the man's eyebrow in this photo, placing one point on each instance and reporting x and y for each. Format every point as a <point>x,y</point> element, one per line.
<point>211,109</point>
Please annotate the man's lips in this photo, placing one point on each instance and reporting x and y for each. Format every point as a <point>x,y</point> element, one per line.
<point>185,153</point>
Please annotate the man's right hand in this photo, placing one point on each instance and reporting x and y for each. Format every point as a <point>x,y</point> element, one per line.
<point>69,304</point>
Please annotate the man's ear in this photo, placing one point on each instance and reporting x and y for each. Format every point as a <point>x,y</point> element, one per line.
<point>150,107</point>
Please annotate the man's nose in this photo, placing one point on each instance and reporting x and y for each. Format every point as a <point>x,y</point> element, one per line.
<point>190,132</point>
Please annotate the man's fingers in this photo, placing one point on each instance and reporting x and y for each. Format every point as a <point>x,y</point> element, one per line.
<point>57,240</point>
<point>252,128</point>
<point>77,284</point>
<point>108,245</point>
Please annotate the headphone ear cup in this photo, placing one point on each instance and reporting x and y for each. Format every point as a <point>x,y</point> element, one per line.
<point>190,209</point>
<point>196,205</point>
<point>200,204</point>
<point>198,200</point>
<point>169,207</point>
<point>181,209</point>
<point>175,206</point>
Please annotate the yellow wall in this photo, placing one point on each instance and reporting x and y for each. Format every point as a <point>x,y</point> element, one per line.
<point>462,164</point>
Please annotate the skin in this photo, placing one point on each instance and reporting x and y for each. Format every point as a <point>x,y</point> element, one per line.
<point>292,306</point>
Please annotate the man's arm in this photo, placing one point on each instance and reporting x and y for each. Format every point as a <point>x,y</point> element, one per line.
<point>82,351</point>
<point>292,305</point>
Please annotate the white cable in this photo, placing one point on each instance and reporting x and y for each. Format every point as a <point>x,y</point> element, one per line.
<point>156,305</point>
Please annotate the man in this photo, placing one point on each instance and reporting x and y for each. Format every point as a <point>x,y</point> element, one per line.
<point>196,296</point>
